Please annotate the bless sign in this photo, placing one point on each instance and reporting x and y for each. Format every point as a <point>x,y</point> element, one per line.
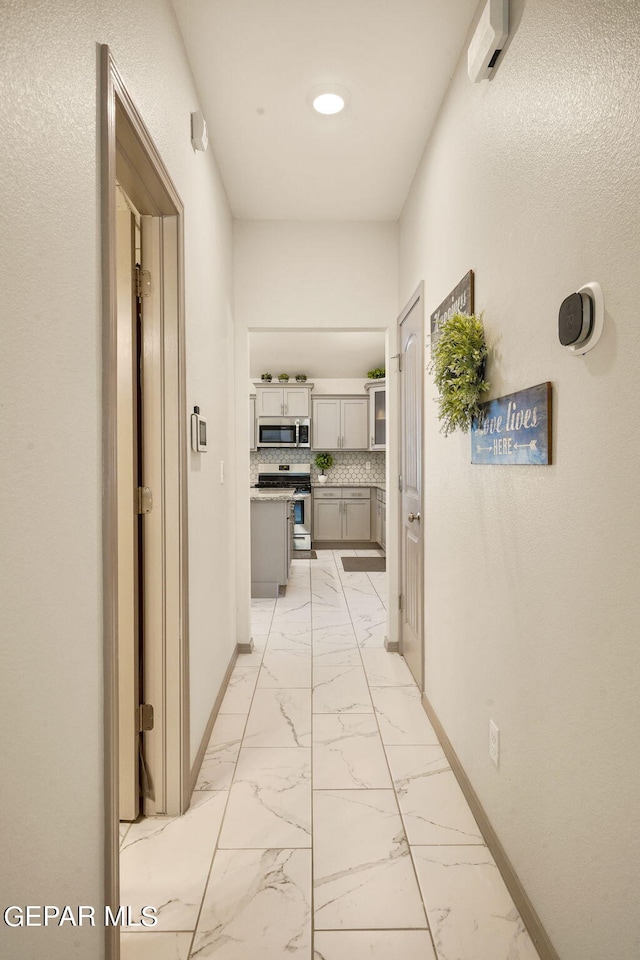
<point>514,429</point>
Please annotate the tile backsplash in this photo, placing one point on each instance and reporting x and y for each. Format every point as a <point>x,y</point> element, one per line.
<point>348,466</point>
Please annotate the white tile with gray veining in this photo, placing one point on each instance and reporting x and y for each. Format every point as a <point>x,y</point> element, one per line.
<point>433,806</point>
<point>363,874</point>
<point>297,610</point>
<point>348,753</point>
<point>286,668</point>
<point>270,799</point>
<point>326,617</point>
<point>401,716</point>
<point>330,654</point>
<point>340,689</point>
<point>257,904</point>
<point>147,945</point>
<point>220,759</point>
<point>239,694</point>
<point>267,750</point>
<point>386,669</point>
<point>293,636</point>
<point>279,718</point>
<point>361,595</point>
<point>370,627</point>
<point>373,945</point>
<point>164,861</point>
<point>470,911</point>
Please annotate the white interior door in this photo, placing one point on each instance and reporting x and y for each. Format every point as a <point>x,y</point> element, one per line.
<point>411,524</point>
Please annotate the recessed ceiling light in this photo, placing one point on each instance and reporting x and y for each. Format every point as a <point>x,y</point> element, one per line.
<point>328,99</point>
<point>328,103</point>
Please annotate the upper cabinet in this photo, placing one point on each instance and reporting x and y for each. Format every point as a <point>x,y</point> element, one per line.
<point>279,401</point>
<point>340,423</point>
<point>377,414</point>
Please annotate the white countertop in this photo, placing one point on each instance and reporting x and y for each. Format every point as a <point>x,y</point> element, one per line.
<point>282,493</point>
<point>379,484</point>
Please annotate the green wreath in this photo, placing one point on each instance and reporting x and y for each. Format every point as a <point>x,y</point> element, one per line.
<point>459,358</point>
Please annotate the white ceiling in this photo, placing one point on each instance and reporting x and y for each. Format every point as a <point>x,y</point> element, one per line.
<point>254,63</point>
<point>319,354</point>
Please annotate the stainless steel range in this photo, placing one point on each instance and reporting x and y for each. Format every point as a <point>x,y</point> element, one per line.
<point>297,475</point>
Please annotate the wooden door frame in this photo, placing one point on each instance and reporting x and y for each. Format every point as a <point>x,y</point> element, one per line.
<point>418,295</point>
<point>127,148</point>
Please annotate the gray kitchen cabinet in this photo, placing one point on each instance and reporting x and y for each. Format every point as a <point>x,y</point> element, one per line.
<point>378,523</point>
<point>381,519</point>
<point>271,543</point>
<point>377,414</point>
<point>327,520</point>
<point>340,423</point>
<point>356,520</point>
<point>342,513</point>
<point>279,401</point>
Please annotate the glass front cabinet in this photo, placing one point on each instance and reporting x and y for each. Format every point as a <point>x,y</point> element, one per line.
<point>377,415</point>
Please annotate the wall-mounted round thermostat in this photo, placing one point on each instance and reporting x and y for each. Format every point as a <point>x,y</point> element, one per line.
<point>581,319</point>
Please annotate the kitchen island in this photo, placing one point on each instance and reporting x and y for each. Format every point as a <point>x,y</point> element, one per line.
<point>271,540</point>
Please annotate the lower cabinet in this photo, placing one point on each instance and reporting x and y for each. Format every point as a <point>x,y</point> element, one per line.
<point>271,545</point>
<point>381,519</point>
<point>342,513</point>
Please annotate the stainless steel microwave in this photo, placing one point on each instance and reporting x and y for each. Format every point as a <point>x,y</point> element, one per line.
<point>284,432</point>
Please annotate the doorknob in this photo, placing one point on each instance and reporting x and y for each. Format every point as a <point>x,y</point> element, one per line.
<point>413,516</point>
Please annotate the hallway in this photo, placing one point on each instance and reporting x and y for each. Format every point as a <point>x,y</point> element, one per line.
<point>322,763</point>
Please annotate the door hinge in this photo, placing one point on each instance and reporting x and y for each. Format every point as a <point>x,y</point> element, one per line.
<point>143,282</point>
<point>399,601</point>
<point>144,500</point>
<point>398,357</point>
<point>145,717</point>
<point>400,482</point>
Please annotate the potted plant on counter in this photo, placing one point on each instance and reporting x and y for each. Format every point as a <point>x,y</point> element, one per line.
<point>323,461</point>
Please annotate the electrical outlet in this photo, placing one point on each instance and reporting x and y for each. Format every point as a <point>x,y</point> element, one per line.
<point>494,743</point>
<point>367,465</point>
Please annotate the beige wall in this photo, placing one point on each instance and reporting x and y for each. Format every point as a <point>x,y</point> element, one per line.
<point>532,603</point>
<point>50,413</point>
<point>315,275</point>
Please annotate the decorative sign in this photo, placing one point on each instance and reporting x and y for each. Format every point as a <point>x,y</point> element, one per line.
<point>460,300</point>
<point>514,429</point>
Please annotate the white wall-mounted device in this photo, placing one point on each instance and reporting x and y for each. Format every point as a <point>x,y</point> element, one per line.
<point>581,319</point>
<point>198,432</point>
<point>199,135</point>
<point>488,40</point>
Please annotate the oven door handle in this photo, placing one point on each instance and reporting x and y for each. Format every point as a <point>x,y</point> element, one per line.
<point>297,433</point>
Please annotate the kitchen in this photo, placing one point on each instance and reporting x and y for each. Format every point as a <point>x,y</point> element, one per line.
<point>333,403</point>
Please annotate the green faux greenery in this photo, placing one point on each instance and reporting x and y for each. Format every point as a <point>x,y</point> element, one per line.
<point>376,374</point>
<point>323,461</point>
<point>283,377</point>
<point>458,363</point>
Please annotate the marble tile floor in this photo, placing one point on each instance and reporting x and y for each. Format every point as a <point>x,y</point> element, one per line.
<point>326,823</point>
